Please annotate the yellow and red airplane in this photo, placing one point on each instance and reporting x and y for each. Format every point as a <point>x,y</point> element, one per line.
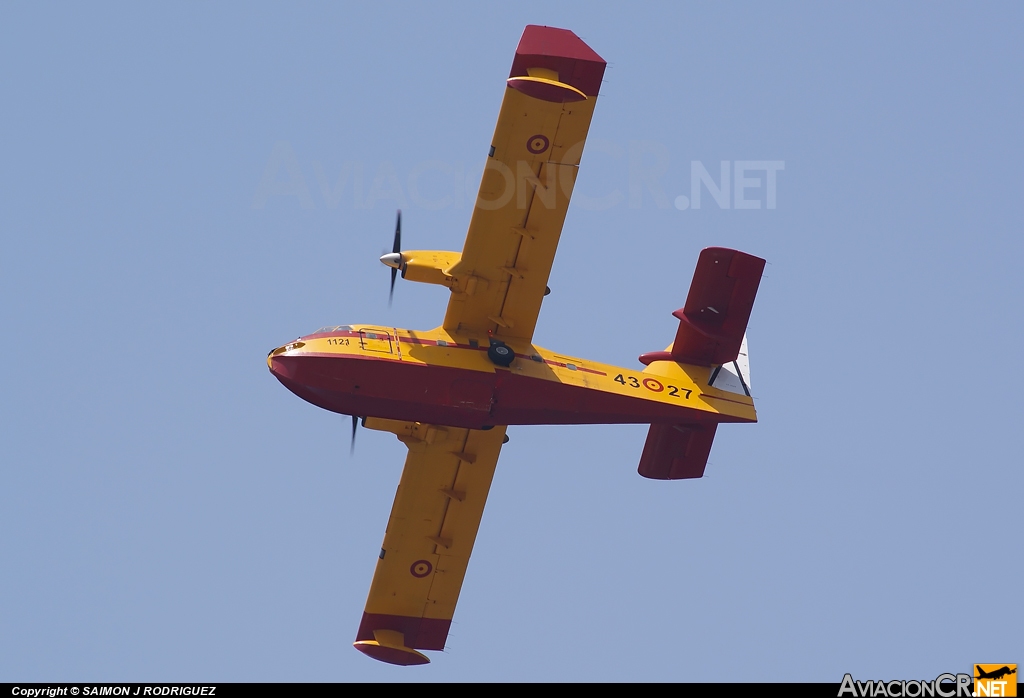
<point>449,393</point>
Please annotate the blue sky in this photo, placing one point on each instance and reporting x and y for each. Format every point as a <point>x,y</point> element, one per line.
<point>170,512</point>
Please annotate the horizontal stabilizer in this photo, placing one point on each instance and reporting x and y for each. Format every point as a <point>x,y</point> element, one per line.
<point>714,319</point>
<point>676,451</point>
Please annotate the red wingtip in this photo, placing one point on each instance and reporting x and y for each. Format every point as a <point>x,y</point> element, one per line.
<point>392,655</point>
<point>562,51</point>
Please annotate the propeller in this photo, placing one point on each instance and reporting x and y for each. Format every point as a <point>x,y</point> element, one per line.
<point>394,259</point>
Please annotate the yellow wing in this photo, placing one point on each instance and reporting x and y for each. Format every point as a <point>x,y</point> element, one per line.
<point>429,538</point>
<point>527,183</point>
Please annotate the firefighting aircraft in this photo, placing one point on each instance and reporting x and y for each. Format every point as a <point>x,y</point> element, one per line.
<point>449,393</point>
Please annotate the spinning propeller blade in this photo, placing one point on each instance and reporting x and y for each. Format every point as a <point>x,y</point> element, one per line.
<point>395,256</point>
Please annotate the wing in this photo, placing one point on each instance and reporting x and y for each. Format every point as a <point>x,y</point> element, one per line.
<point>526,186</point>
<point>429,538</point>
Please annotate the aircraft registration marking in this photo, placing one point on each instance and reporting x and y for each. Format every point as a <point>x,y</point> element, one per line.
<point>652,384</point>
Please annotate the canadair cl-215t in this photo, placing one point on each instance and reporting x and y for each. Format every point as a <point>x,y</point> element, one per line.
<point>449,393</point>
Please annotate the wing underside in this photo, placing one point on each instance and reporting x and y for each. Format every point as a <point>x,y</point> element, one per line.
<point>528,181</point>
<point>502,279</point>
<point>429,538</point>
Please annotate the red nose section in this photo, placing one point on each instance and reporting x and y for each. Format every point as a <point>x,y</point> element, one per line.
<point>280,368</point>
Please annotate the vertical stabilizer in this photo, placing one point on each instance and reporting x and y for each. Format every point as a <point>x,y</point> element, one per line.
<point>713,322</point>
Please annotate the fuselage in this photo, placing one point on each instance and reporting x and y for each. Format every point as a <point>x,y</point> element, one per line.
<point>442,378</point>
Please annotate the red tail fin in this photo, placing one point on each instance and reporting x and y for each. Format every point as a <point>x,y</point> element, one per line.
<point>675,452</point>
<point>712,323</point>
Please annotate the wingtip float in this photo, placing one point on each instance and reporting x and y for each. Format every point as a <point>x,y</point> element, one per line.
<point>449,393</point>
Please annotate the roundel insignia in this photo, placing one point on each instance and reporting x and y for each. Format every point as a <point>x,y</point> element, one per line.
<point>653,385</point>
<point>537,144</point>
<point>421,568</point>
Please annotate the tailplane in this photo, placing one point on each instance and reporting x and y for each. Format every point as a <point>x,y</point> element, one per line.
<point>676,452</point>
<point>712,332</point>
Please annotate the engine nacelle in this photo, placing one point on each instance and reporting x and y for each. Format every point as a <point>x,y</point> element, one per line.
<point>433,267</point>
<point>429,266</point>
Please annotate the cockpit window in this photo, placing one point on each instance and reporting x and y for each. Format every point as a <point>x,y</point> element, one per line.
<point>334,328</point>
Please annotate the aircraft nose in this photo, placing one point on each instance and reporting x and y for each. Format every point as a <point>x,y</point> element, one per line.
<point>277,366</point>
<point>276,359</point>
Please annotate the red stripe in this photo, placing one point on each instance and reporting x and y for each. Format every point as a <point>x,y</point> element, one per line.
<point>578,368</point>
<point>433,343</point>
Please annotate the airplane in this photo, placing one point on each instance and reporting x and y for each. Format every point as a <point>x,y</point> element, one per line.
<point>996,673</point>
<point>450,393</point>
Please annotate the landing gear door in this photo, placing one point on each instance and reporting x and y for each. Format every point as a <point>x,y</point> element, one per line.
<point>377,340</point>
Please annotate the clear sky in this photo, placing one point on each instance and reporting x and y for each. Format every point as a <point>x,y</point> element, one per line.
<point>170,512</point>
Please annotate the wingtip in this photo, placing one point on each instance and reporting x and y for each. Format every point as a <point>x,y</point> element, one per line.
<point>399,656</point>
<point>560,50</point>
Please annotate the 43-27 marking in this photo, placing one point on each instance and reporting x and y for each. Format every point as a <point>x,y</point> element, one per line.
<point>653,384</point>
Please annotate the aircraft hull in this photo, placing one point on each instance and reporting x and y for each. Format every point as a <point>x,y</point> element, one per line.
<point>392,389</point>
